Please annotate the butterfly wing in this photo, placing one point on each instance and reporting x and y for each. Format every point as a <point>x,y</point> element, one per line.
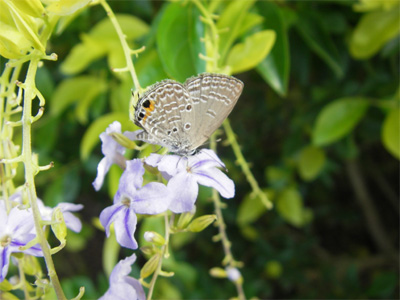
<point>213,97</point>
<point>159,112</point>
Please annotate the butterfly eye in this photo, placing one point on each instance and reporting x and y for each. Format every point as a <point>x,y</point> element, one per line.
<point>175,129</point>
<point>188,107</point>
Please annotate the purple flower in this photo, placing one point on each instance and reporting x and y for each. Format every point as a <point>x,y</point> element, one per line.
<point>123,286</point>
<point>113,153</point>
<point>70,220</point>
<point>185,173</point>
<point>16,230</point>
<point>130,199</point>
<point>46,212</point>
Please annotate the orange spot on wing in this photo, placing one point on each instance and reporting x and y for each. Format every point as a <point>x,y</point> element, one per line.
<point>148,110</point>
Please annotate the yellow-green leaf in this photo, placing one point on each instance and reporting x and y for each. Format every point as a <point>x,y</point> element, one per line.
<point>391,133</point>
<point>26,25</point>
<point>247,55</point>
<point>310,163</point>
<point>337,119</point>
<point>66,7</point>
<point>250,209</point>
<point>33,8</point>
<point>13,43</point>
<point>290,207</point>
<point>83,54</point>
<point>131,26</point>
<point>249,21</point>
<point>231,21</point>
<point>373,31</point>
<point>81,89</point>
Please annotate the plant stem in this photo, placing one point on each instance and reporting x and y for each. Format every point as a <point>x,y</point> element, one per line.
<point>244,165</point>
<point>164,249</point>
<point>226,244</point>
<point>31,170</point>
<point>125,46</point>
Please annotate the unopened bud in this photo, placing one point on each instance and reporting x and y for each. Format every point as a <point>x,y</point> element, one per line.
<point>154,237</point>
<point>201,223</point>
<point>150,266</point>
<point>58,227</point>
<point>123,140</point>
<point>184,220</point>
<point>233,274</point>
<point>218,272</point>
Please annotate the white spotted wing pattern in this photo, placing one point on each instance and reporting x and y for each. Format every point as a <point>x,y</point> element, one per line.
<point>182,117</point>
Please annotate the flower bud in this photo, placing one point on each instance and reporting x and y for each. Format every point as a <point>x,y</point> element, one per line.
<point>234,274</point>
<point>201,223</point>
<point>123,140</point>
<point>59,228</point>
<point>150,266</point>
<point>184,220</point>
<point>31,265</point>
<point>218,272</point>
<point>154,237</point>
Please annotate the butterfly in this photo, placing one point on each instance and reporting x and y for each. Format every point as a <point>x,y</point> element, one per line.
<point>182,117</point>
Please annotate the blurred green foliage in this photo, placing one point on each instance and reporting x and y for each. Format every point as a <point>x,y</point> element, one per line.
<point>324,100</point>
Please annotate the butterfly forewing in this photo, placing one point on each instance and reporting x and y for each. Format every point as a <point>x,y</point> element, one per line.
<point>213,96</point>
<point>159,112</point>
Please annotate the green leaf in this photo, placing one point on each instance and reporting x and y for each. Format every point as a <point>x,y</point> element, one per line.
<point>149,68</point>
<point>103,39</point>
<point>314,34</point>
<point>178,40</point>
<point>26,25</point>
<point>120,96</point>
<point>66,7</point>
<point>131,26</point>
<point>337,119</point>
<point>391,133</point>
<point>373,31</point>
<point>290,207</point>
<point>83,54</point>
<point>245,56</point>
<point>249,21</point>
<point>91,136</point>
<point>275,67</point>
<point>310,163</point>
<point>231,22</point>
<point>250,209</point>
<point>81,89</point>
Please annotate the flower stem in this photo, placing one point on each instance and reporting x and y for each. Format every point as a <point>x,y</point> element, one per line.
<point>244,165</point>
<point>164,250</point>
<point>226,244</point>
<point>31,170</point>
<point>124,44</point>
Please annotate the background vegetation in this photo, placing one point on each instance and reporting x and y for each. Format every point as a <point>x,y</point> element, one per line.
<point>318,121</point>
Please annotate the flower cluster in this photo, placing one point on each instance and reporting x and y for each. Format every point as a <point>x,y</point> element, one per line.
<point>183,174</point>
<point>17,227</point>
